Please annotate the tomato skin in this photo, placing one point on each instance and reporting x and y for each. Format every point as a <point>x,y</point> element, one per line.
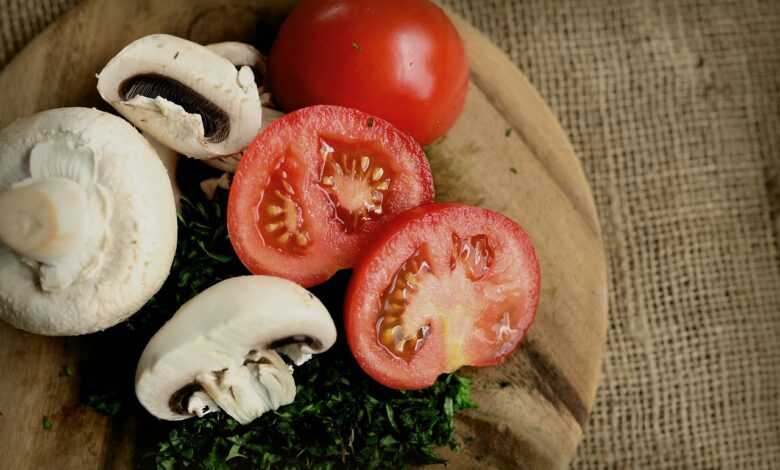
<point>393,244</point>
<point>401,60</point>
<point>297,139</point>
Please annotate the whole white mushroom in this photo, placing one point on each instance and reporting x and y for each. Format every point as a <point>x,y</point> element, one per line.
<point>221,350</point>
<point>87,222</point>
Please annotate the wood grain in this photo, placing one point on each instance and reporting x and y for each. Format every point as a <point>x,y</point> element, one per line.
<point>532,408</point>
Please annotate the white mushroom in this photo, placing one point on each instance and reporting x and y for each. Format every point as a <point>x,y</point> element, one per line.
<point>87,222</point>
<point>240,54</point>
<point>188,97</point>
<point>221,350</point>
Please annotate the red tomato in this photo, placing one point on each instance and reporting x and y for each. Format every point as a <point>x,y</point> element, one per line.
<point>443,285</point>
<point>313,187</point>
<point>401,60</point>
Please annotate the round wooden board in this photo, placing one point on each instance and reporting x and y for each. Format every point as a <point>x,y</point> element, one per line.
<point>507,152</point>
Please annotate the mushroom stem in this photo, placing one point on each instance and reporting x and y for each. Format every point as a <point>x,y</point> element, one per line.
<point>263,383</point>
<point>43,220</point>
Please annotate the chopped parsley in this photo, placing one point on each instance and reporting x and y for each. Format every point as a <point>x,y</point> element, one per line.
<point>340,418</point>
<point>508,132</point>
<point>47,423</point>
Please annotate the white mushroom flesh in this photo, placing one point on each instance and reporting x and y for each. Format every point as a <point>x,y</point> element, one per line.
<point>188,97</point>
<point>87,222</point>
<point>56,219</point>
<point>263,383</point>
<point>240,54</point>
<point>222,349</point>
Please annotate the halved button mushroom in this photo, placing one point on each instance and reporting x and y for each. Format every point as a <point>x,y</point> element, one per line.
<point>188,97</point>
<point>240,54</point>
<point>87,222</point>
<point>221,350</point>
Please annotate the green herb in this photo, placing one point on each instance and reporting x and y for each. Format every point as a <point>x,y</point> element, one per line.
<point>508,132</point>
<point>107,403</point>
<point>47,423</point>
<point>340,419</point>
<point>67,371</point>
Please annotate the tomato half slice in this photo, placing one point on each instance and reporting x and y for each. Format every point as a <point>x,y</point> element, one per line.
<point>444,285</point>
<point>313,187</point>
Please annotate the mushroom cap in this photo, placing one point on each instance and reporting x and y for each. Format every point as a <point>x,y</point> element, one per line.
<point>211,76</point>
<point>139,238</point>
<point>219,327</point>
<point>239,53</point>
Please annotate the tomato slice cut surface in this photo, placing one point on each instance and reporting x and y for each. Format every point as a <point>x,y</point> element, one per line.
<point>443,285</point>
<point>313,187</point>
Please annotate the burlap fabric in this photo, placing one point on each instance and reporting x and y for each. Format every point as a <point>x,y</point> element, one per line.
<point>674,108</point>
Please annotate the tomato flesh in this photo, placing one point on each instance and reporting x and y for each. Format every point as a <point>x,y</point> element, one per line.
<point>313,187</point>
<point>445,285</point>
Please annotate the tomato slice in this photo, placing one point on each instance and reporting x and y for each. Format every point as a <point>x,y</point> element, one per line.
<point>444,285</point>
<point>313,187</point>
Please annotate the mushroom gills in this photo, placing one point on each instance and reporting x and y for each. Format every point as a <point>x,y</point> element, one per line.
<point>262,383</point>
<point>216,123</point>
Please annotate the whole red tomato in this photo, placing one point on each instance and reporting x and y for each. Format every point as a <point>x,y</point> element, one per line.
<point>401,60</point>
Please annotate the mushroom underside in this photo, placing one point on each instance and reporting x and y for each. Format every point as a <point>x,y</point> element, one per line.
<point>216,123</point>
<point>263,382</point>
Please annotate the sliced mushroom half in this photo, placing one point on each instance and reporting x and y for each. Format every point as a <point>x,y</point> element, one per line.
<point>241,54</point>
<point>87,222</point>
<point>183,94</point>
<point>221,350</point>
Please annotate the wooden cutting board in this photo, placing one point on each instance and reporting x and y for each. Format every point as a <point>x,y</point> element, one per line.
<point>507,152</point>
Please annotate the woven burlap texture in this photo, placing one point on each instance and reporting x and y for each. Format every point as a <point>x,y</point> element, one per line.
<point>674,109</point>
